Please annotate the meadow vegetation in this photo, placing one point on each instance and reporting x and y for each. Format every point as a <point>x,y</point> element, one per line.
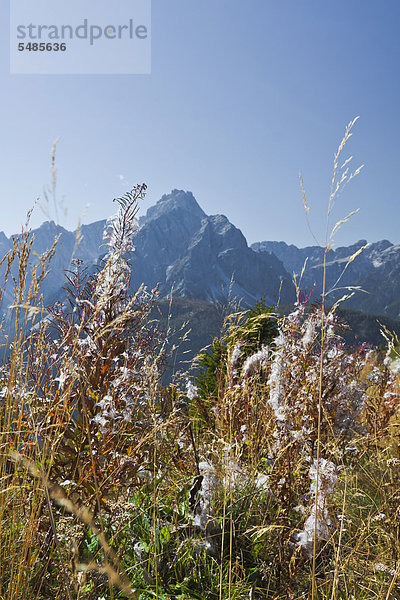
<point>270,472</point>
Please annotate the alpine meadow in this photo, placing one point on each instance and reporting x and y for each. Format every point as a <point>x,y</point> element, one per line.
<point>267,468</point>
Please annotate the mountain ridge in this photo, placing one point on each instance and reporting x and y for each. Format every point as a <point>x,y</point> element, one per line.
<point>179,247</point>
<point>375,270</point>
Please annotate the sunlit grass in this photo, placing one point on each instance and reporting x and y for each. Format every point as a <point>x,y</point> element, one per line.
<point>274,473</point>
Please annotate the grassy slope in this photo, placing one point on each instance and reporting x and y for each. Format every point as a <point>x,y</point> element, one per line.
<point>202,321</point>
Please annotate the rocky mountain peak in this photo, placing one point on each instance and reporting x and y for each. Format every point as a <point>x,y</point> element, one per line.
<point>177,201</point>
<point>205,257</point>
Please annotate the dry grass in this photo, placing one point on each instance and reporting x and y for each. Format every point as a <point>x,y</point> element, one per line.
<point>276,476</point>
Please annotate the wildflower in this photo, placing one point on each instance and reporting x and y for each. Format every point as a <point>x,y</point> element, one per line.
<point>379,517</point>
<point>309,333</point>
<point>394,366</point>
<point>191,390</point>
<point>113,279</point>
<point>261,481</point>
<point>104,402</point>
<point>323,477</point>
<point>61,379</point>
<point>275,380</point>
<point>256,361</point>
<point>384,569</point>
<point>203,512</point>
<point>300,509</point>
<point>236,353</point>
<point>101,421</point>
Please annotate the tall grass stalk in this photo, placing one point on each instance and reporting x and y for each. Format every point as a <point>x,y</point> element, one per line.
<point>340,178</point>
<point>274,474</point>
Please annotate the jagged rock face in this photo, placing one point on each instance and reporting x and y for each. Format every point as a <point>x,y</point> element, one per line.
<point>382,282</point>
<point>66,250</point>
<point>204,257</point>
<point>163,238</point>
<point>292,258</point>
<point>177,247</point>
<point>219,265</point>
<point>182,249</point>
<point>376,270</point>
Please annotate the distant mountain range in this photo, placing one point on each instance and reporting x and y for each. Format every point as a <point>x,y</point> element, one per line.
<point>207,258</point>
<point>376,270</point>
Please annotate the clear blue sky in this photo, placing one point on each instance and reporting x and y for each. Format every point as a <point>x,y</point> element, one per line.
<point>242,97</point>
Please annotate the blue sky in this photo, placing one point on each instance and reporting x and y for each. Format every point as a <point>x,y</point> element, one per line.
<point>242,97</point>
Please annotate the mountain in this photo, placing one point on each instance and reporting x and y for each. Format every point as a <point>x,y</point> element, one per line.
<point>67,249</point>
<point>177,248</point>
<point>376,270</point>
<point>202,257</point>
<point>206,258</point>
